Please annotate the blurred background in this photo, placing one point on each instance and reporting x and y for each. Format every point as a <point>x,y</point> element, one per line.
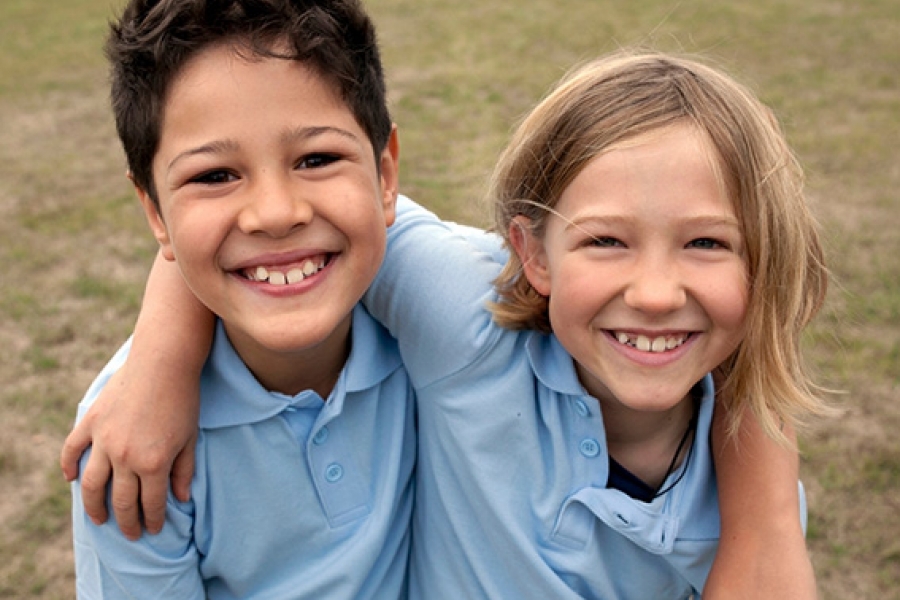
<point>75,250</point>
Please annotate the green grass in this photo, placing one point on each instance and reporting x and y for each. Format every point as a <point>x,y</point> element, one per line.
<point>76,250</point>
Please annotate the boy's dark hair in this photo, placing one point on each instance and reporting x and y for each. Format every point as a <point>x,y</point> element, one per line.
<point>154,39</point>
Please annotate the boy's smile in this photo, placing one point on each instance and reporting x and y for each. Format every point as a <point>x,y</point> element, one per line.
<point>274,208</point>
<point>643,265</point>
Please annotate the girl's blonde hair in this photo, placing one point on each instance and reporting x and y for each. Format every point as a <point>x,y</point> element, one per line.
<point>630,93</point>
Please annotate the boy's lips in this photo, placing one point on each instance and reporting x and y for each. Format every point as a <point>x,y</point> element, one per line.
<point>285,273</point>
<point>656,343</point>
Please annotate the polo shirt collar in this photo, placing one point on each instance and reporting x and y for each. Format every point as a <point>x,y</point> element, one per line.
<point>552,365</point>
<point>231,395</point>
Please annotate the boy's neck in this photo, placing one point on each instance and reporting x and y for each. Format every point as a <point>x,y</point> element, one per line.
<point>645,443</point>
<point>291,372</point>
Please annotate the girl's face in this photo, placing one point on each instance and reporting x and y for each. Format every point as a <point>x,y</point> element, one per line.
<point>644,270</point>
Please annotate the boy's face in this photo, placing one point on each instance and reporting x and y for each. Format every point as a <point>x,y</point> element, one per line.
<point>274,208</point>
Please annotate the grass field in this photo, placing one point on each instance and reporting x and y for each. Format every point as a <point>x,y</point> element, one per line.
<point>75,250</point>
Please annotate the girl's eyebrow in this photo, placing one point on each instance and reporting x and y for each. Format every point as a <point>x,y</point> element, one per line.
<point>711,220</point>
<point>728,221</point>
<point>579,221</point>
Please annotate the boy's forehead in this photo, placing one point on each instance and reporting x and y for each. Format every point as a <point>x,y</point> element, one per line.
<point>206,66</point>
<point>282,94</point>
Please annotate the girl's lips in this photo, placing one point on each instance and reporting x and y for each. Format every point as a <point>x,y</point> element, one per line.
<point>651,350</point>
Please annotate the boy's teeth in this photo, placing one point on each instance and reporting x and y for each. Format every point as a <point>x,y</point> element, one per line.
<point>295,275</point>
<point>645,344</point>
<point>309,268</point>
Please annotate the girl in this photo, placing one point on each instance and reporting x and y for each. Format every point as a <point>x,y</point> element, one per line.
<point>657,233</point>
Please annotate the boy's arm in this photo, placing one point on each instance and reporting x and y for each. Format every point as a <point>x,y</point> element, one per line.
<point>143,426</point>
<point>762,552</point>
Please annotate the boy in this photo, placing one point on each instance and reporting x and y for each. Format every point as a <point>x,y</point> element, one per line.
<point>261,149</point>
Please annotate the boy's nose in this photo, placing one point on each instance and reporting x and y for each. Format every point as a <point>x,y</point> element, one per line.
<point>275,208</point>
<point>656,287</point>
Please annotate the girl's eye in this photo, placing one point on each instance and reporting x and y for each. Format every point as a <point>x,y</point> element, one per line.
<point>214,177</point>
<point>317,161</point>
<point>706,244</point>
<point>604,242</point>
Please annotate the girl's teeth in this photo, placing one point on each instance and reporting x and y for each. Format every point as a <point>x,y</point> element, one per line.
<point>645,344</point>
<point>262,274</point>
<point>276,278</point>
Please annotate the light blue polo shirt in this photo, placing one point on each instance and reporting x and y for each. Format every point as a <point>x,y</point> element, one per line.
<point>513,465</point>
<point>292,497</point>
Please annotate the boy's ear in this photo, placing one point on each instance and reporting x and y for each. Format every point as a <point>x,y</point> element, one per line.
<point>389,169</point>
<point>530,250</point>
<point>155,221</point>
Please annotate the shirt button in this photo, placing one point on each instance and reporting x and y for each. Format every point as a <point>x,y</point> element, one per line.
<point>589,447</point>
<point>334,472</point>
<point>321,436</point>
<point>581,408</point>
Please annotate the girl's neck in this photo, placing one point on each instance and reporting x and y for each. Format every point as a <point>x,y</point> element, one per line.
<point>645,442</point>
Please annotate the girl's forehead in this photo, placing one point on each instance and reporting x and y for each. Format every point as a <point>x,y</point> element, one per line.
<point>682,127</point>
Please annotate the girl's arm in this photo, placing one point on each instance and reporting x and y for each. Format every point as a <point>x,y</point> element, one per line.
<point>143,425</point>
<point>762,553</point>
<point>432,291</point>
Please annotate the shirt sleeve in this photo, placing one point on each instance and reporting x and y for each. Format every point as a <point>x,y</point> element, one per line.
<point>432,292</point>
<point>108,565</point>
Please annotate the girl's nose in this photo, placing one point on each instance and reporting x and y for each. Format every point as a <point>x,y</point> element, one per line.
<point>655,287</point>
<point>274,208</point>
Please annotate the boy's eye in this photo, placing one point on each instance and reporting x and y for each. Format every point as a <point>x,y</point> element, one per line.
<point>316,161</point>
<point>214,177</point>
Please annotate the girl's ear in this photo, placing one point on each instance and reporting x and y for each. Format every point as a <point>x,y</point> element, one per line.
<point>531,252</point>
<point>155,221</point>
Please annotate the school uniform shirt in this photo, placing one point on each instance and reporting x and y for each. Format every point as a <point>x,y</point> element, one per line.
<point>292,497</point>
<point>512,498</point>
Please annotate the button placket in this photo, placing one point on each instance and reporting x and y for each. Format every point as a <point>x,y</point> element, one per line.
<point>340,490</point>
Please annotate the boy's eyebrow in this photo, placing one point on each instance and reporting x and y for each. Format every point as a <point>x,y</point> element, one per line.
<point>216,147</point>
<point>304,133</point>
<point>300,133</point>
